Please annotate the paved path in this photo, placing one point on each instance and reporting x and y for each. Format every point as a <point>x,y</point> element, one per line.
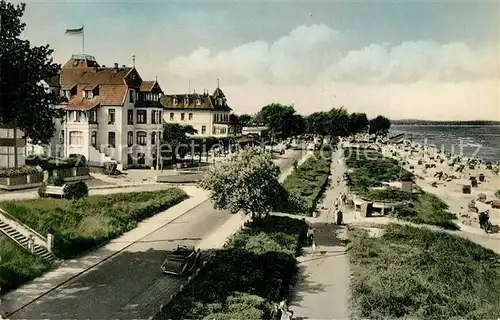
<point>124,279</point>
<point>322,291</point>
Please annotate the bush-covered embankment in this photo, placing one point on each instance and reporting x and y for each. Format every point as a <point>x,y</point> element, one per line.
<point>79,225</point>
<point>369,169</point>
<point>415,273</point>
<point>305,185</point>
<point>255,269</point>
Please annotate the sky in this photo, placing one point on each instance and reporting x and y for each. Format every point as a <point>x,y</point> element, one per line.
<point>406,60</point>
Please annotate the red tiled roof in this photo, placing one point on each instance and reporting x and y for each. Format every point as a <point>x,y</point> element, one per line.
<point>147,86</point>
<point>79,103</point>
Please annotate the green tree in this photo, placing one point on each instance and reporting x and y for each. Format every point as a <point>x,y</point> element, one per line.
<point>244,119</point>
<point>247,182</point>
<point>336,122</point>
<point>278,118</point>
<point>298,125</point>
<point>380,126</point>
<point>315,123</point>
<point>357,122</point>
<point>174,135</point>
<point>23,100</point>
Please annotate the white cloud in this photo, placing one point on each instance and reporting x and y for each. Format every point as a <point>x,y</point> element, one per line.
<point>309,55</point>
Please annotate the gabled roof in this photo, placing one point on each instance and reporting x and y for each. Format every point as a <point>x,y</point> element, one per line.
<point>86,74</point>
<point>218,93</point>
<point>148,86</point>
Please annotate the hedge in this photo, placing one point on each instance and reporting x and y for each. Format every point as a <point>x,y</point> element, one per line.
<point>79,225</point>
<point>20,171</point>
<point>72,161</point>
<point>256,268</point>
<point>306,184</point>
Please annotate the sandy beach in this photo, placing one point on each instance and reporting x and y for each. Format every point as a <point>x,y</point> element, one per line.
<point>449,187</point>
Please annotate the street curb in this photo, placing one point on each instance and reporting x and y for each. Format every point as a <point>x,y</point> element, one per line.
<point>105,259</point>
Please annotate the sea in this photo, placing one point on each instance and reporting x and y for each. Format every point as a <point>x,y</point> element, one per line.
<point>463,140</point>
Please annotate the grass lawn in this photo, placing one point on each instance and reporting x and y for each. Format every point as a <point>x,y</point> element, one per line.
<point>307,183</point>
<point>370,169</point>
<point>80,225</point>
<point>17,265</point>
<point>415,273</point>
<point>256,267</point>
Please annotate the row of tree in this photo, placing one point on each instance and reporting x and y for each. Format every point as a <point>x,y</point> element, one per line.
<point>283,122</point>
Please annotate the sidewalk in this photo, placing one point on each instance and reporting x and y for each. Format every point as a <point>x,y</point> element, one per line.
<point>69,269</point>
<point>322,290</point>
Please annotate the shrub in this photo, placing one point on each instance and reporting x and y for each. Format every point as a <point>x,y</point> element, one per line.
<point>78,225</point>
<point>76,190</point>
<point>415,273</point>
<point>41,190</point>
<point>388,194</point>
<point>110,168</point>
<point>15,172</point>
<point>57,181</point>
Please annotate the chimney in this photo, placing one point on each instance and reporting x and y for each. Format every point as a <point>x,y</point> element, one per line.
<point>116,66</point>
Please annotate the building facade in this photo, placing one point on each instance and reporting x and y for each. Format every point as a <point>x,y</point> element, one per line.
<point>11,142</point>
<point>208,114</point>
<point>111,114</point>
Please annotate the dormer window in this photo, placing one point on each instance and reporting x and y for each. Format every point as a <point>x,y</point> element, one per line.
<point>186,101</point>
<point>219,101</point>
<point>198,101</point>
<point>88,94</point>
<point>174,101</point>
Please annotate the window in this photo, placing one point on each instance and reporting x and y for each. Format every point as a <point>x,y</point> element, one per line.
<point>130,116</point>
<point>93,139</point>
<point>76,138</point>
<point>141,138</point>
<point>131,95</point>
<point>186,101</point>
<point>219,101</point>
<point>182,116</point>
<point>203,129</point>
<point>222,130</point>
<point>78,116</point>
<point>92,114</point>
<point>141,116</point>
<point>171,116</point>
<point>112,139</point>
<point>88,94</point>
<point>214,130</point>
<point>61,137</point>
<point>153,117</point>
<point>153,137</point>
<point>111,116</point>
<point>198,102</point>
<point>190,116</point>
<point>130,138</point>
<point>174,101</point>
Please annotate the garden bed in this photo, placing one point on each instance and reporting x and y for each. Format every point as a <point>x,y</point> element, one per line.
<point>17,266</point>
<point>255,268</point>
<point>79,225</point>
<point>415,273</point>
<point>306,184</point>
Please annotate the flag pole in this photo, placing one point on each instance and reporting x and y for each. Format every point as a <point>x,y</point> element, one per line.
<point>83,39</point>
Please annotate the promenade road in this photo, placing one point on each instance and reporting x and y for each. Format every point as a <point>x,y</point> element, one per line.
<point>130,284</point>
